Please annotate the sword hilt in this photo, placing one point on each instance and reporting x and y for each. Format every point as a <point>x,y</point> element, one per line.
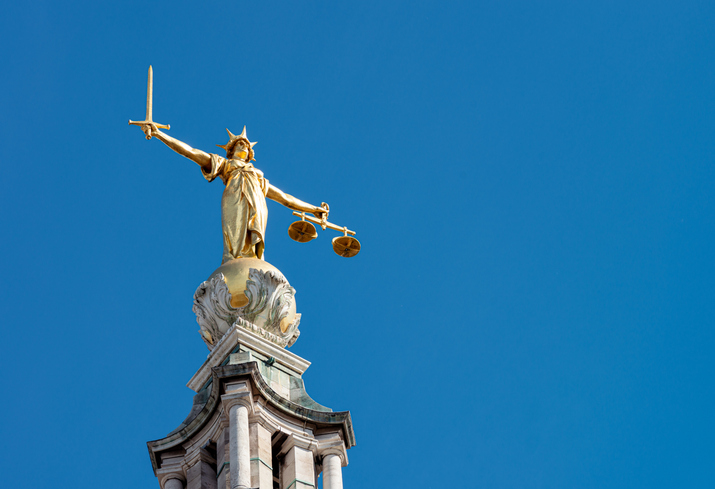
<point>149,123</point>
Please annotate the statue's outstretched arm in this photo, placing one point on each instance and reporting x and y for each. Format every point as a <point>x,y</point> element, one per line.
<point>291,202</point>
<point>196,155</point>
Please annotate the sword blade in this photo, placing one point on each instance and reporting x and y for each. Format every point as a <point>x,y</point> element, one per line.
<point>149,94</point>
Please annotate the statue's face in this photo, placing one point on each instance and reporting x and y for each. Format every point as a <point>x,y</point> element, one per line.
<point>240,151</point>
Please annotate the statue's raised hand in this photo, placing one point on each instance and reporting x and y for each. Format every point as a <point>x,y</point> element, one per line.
<point>150,130</point>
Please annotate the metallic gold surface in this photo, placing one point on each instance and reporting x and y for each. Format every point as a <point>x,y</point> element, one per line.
<point>302,231</point>
<point>245,146</point>
<point>236,272</point>
<point>147,122</point>
<point>244,213</point>
<point>323,223</point>
<point>346,246</point>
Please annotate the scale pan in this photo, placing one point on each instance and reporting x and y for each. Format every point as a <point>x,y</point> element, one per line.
<point>302,231</point>
<point>346,246</point>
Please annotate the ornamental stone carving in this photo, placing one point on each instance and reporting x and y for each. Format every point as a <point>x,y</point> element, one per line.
<point>269,311</point>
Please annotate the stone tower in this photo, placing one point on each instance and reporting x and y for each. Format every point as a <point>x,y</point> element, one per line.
<point>252,424</point>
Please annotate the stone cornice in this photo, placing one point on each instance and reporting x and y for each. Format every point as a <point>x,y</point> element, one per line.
<point>258,417</point>
<point>274,399</point>
<point>232,374</point>
<point>303,442</point>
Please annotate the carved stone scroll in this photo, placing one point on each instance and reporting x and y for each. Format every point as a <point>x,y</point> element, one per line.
<point>270,300</point>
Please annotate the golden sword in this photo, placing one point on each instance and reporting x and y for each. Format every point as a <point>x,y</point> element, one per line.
<point>149,106</point>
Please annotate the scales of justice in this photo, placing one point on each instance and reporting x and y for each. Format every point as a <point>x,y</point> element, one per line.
<point>252,424</point>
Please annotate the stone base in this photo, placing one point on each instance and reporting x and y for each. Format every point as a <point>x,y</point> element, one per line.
<point>252,424</point>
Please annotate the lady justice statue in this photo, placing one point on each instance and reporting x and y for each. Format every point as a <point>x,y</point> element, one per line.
<point>243,206</point>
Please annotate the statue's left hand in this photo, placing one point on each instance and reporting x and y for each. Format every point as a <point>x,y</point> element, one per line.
<point>324,209</point>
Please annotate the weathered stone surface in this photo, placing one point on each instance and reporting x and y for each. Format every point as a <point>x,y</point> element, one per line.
<point>201,475</point>
<point>237,340</point>
<point>283,431</point>
<point>239,440</point>
<point>173,484</point>
<point>297,466</point>
<point>261,457</point>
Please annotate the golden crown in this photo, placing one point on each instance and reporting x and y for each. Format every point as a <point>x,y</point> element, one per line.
<point>233,140</point>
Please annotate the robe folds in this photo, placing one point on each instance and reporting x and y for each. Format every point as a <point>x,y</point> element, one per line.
<point>243,207</point>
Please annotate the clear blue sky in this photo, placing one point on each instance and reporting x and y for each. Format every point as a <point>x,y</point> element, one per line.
<point>532,183</point>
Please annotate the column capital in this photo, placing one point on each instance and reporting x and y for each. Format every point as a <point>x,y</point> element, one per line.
<point>303,442</point>
<point>237,393</point>
<point>171,469</point>
<point>332,444</point>
<point>166,477</point>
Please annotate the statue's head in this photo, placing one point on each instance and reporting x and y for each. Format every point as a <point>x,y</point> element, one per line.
<point>239,147</point>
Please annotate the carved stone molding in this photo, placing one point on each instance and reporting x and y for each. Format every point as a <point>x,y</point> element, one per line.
<point>165,478</point>
<point>270,300</point>
<point>214,313</point>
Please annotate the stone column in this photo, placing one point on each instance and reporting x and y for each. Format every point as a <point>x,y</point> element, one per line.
<point>331,450</point>
<point>332,472</point>
<point>297,468</point>
<point>239,447</point>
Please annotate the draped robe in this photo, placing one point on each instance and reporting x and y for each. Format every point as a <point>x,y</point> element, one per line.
<point>243,207</point>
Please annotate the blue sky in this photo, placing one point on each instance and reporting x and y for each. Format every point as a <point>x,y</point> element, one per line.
<point>531,182</point>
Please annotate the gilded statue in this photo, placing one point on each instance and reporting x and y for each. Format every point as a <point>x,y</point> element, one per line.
<point>243,206</point>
